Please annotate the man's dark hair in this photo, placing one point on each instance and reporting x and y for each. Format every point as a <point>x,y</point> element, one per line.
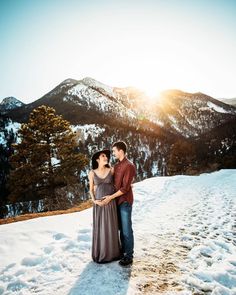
<point>120,145</point>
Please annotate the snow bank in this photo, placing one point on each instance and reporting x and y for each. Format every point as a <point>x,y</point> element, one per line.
<point>184,228</point>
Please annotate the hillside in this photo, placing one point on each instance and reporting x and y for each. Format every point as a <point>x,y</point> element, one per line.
<point>175,112</point>
<point>176,133</point>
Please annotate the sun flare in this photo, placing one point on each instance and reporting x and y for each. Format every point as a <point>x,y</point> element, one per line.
<point>151,93</point>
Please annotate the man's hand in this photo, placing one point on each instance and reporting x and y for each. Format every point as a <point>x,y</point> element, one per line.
<point>106,200</point>
<point>98,202</point>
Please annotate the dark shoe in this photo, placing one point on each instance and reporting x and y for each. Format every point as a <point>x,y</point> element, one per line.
<point>125,261</point>
<point>122,256</point>
<point>118,257</point>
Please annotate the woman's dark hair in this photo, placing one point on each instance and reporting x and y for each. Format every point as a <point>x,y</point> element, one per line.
<point>97,155</point>
<point>120,145</point>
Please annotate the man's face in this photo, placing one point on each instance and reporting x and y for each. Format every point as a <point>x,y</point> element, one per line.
<point>116,152</point>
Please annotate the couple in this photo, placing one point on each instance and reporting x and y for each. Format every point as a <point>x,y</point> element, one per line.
<point>111,192</point>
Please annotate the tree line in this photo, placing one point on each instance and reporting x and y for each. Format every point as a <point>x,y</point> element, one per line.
<point>46,169</point>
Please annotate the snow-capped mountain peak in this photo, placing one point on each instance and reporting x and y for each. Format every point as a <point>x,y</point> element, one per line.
<point>97,85</point>
<point>89,101</point>
<point>9,103</point>
<point>69,81</point>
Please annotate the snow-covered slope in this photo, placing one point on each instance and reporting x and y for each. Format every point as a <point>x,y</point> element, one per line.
<point>192,114</point>
<point>184,229</point>
<point>93,94</point>
<point>90,101</point>
<point>10,103</point>
<point>188,114</point>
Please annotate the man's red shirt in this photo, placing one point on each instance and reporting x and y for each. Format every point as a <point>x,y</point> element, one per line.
<point>124,173</point>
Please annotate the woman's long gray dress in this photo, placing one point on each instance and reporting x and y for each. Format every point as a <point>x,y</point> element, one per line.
<point>106,244</point>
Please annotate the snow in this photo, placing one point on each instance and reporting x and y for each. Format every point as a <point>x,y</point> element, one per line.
<point>206,109</point>
<point>11,103</point>
<point>217,108</point>
<point>175,123</point>
<point>15,126</point>
<point>184,229</point>
<point>18,208</point>
<point>84,91</point>
<point>94,83</point>
<point>55,161</point>
<point>77,89</point>
<point>91,93</point>
<point>157,121</point>
<point>84,130</point>
<point>10,125</point>
<point>82,94</point>
<point>154,168</point>
<point>2,139</point>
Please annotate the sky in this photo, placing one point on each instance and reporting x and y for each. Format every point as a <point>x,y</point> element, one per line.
<point>152,45</point>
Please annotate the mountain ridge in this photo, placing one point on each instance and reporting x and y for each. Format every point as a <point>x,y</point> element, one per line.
<point>90,101</point>
<point>9,103</point>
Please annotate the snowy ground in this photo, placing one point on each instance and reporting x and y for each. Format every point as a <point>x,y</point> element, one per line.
<point>185,243</point>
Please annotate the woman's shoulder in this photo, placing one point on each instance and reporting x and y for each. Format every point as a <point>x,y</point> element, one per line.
<point>112,170</point>
<point>91,173</point>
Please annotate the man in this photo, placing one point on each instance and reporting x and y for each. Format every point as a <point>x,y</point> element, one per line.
<point>124,172</point>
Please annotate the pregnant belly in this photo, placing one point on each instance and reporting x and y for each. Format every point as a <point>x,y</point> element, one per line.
<point>104,190</point>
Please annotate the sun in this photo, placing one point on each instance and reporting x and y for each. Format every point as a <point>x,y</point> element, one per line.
<point>152,93</point>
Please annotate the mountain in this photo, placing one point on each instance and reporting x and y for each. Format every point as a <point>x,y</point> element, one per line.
<point>175,133</point>
<point>230,101</point>
<point>10,103</point>
<point>80,102</point>
<point>88,101</point>
<point>186,114</point>
<point>193,114</point>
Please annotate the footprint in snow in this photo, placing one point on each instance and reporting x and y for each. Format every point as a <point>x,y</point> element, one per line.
<point>32,261</point>
<point>59,236</point>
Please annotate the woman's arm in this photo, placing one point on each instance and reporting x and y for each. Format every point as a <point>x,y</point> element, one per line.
<point>91,188</point>
<point>91,185</point>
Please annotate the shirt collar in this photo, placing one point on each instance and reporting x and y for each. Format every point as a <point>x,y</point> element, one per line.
<point>122,161</point>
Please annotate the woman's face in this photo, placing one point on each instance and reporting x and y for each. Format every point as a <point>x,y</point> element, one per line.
<point>102,160</point>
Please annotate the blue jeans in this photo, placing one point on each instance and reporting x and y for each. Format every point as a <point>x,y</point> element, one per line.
<point>125,226</point>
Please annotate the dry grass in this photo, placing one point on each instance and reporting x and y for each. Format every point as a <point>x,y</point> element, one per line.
<point>84,205</point>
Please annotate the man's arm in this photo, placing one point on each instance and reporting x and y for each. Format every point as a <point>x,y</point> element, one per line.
<point>126,184</point>
<point>127,179</point>
<point>117,194</point>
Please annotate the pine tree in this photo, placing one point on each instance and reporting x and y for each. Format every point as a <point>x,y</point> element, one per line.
<point>182,157</point>
<point>46,158</point>
<point>5,153</point>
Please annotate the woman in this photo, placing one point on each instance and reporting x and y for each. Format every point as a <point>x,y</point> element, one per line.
<point>106,245</point>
